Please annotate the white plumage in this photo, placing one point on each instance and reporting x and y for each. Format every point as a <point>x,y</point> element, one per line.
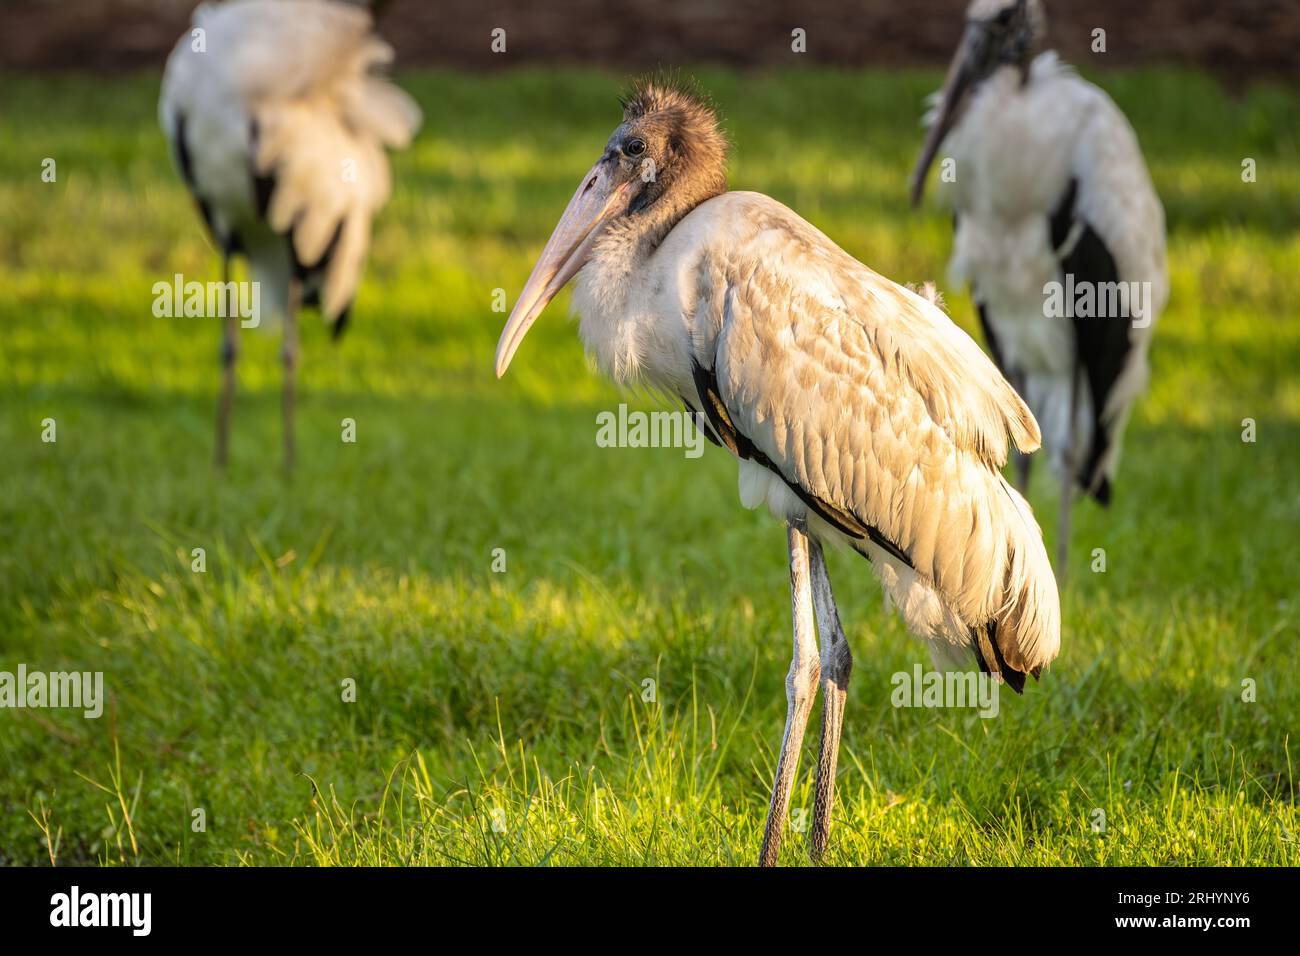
<point>1049,188</point>
<point>859,391</point>
<point>1013,182</point>
<point>278,121</point>
<point>858,413</point>
<point>285,90</point>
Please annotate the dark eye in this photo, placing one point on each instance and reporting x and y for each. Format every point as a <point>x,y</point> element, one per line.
<point>634,147</point>
<point>1004,16</point>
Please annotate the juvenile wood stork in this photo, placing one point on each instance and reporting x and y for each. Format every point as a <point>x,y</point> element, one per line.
<point>857,411</point>
<point>278,121</point>
<point>1056,221</point>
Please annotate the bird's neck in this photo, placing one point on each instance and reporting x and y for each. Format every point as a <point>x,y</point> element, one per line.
<point>617,286</point>
<point>647,229</point>
<point>616,296</point>
<point>630,243</point>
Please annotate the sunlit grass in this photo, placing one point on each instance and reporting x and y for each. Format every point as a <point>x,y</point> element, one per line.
<point>503,718</point>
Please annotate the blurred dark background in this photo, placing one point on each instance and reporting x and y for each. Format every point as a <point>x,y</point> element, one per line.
<point>1234,39</point>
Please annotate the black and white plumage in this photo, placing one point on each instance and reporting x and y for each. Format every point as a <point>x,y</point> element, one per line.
<point>278,122</point>
<point>1049,186</point>
<point>858,413</point>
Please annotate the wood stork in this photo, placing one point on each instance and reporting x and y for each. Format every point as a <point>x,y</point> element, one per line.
<point>858,412</point>
<point>278,121</point>
<point>1060,234</point>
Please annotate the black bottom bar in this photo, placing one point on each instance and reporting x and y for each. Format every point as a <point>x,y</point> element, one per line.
<point>334,906</point>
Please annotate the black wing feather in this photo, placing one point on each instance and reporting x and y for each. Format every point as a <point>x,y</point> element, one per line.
<point>706,383</point>
<point>1102,344</point>
<point>990,338</point>
<point>185,163</point>
<point>987,652</point>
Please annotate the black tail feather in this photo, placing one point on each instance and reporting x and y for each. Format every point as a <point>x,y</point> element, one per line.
<point>341,323</point>
<point>989,657</point>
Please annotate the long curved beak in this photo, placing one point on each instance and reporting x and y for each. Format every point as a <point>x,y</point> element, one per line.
<point>967,66</point>
<point>597,201</point>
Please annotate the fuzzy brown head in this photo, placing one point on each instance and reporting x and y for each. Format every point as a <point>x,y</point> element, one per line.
<point>665,158</point>
<point>670,140</point>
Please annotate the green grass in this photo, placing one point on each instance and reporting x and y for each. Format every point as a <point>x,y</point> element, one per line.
<point>516,698</point>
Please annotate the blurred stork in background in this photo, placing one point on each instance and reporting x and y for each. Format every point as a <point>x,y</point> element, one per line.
<point>278,120</point>
<point>1060,234</point>
<point>858,413</point>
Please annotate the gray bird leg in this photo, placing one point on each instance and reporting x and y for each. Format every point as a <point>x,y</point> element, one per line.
<point>229,357</point>
<point>836,665</point>
<point>1067,487</point>
<point>800,690</point>
<point>289,356</point>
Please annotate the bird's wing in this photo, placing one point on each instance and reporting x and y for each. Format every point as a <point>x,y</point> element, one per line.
<point>775,255</point>
<point>1109,227</point>
<point>1116,198</point>
<point>871,403</point>
<point>285,120</point>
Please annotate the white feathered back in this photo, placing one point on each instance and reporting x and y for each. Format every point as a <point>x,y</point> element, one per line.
<point>867,397</point>
<point>286,89</point>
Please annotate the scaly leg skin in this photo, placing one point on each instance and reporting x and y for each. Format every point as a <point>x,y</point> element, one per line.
<point>800,690</point>
<point>229,357</point>
<point>836,666</point>
<point>1067,489</point>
